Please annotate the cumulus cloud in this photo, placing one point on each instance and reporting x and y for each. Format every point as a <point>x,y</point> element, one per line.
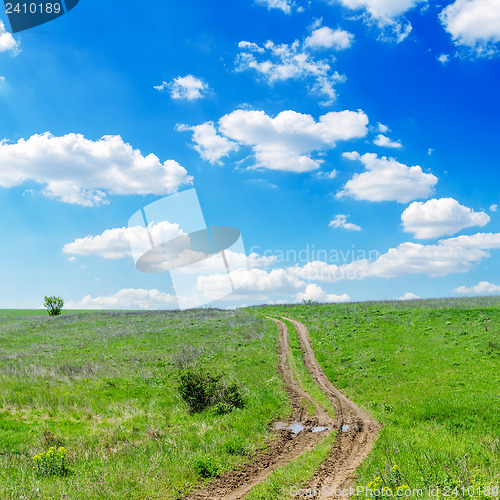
<point>494,207</point>
<point>262,285</point>
<point>384,142</point>
<point>440,217</point>
<point>286,142</point>
<point>387,180</point>
<point>387,14</point>
<point>382,128</point>
<point>443,58</point>
<point>383,10</point>
<point>210,145</point>
<point>340,220</point>
<point>317,294</point>
<point>128,298</point>
<point>7,41</point>
<point>284,5</point>
<point>115,243</point>
<point>484,241</point>
<point>483,287</point>
<point>407,258</point>
<point>81,171</point>
<point>295,61</point>
<point>327,175</point>
<point>408,296</point>
<point>187,88</point>
<point>326,38</point>
<point>474,24</point>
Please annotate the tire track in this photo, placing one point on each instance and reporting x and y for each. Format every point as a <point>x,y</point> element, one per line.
<point>358,429</point>
<point>279,452</point>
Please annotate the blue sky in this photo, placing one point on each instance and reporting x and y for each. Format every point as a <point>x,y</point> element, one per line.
<point>359,138</point>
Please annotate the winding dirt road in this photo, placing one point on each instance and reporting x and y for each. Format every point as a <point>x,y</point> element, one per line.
<point>358,429</point>
<point>357,432</point>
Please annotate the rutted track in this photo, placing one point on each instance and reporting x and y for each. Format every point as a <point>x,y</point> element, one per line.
<point>350,448</point>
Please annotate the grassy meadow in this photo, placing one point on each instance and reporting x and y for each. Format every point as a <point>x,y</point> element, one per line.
<point>103,386</point>
<point>429,371</point>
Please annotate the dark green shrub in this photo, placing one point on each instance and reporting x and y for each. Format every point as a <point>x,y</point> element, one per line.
<point>53,305</point>
<point>231,394</point>
<point>206,467</point>
<point>200,390</point>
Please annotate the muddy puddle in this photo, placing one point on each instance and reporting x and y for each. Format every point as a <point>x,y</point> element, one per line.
<point>297,427</point>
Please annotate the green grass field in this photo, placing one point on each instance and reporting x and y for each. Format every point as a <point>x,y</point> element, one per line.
<point>429,372</point>
<point>103,385</point>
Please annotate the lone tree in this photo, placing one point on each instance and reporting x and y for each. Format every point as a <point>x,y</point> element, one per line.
<point>53,305</point>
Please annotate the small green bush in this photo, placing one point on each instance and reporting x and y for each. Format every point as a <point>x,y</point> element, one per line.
<point>222,408</point>
<point>235,447</point>
<point>51,463</point>
<point>53,305</point>
<point>201,390</point>
<point>206,466</point>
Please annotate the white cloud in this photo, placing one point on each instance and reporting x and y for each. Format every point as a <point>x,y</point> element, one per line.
<point>407,258</point>
<point>494,207</point>
<point>483,241</point>
<point>287,141</point>
<point>256,284</point>
<point>382,128</point>
<point>474,24</point>
<point>186,87</point>
<point>128,298</point>
<point>7,41</point>
<point>284,5</point>
<point>261,285</point>
<point>327,175</point>
<point>287,62</point>
<point>383,10</point>
<point>326,38</point>
<point>340,220</point>
<point>115,243</point>
<point>387,180</point>
<point>384,142</point>
<point>482,287</point>
<point>72,259</point>
<point>408,296</point>
<point>211,145</point>
<point>440,217</point>
<point>443,58</point>
<point>317,294</point>
<point>387,14</point>
<point>81,171</point>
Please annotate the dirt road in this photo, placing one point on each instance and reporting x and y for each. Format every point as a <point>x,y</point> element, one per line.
<point>356,432</point>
